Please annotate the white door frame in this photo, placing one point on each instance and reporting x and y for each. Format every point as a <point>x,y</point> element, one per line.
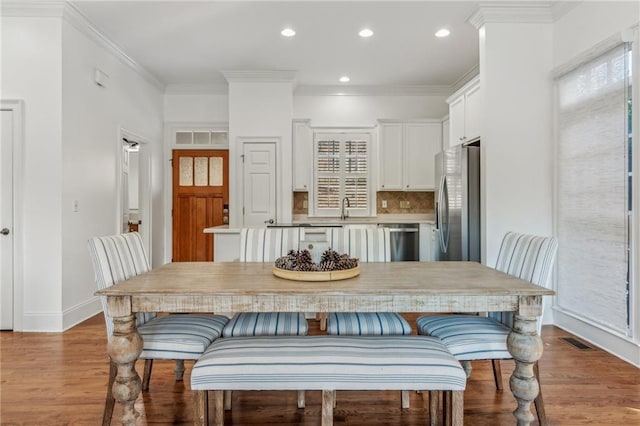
<point>275,140</point>
<point>17,107</point>
<point>144,185</point>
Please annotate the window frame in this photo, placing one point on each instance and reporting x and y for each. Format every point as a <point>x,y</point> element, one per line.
<point>342,136</point>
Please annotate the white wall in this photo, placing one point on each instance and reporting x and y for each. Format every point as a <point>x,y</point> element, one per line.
<point>70,153</point>
<point>189,107</point>
<point>365,110</point>
<point>262,109</point>
<point>31,71</point>
<point>91,117</point>
<point>586,19</point>
<point>517,174</point>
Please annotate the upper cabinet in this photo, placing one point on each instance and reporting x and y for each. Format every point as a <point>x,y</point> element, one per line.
<point>302,155</point>
<point>406,154</point>
<point>464,114</point>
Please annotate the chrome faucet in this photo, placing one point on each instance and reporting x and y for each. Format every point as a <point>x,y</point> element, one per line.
<point>344,214</point>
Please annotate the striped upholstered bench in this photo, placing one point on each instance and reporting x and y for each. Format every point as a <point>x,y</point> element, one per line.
<point>326,363</point>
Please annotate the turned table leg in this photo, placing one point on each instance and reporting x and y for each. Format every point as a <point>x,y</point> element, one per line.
<point>124,348</point>
<point>525,346</point>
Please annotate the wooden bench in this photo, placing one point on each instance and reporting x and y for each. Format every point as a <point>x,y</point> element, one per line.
<point>325,363</point>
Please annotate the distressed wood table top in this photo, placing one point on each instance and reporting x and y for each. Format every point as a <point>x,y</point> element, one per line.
<point>415,278</point>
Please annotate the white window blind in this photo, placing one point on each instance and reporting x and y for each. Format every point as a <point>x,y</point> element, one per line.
<point>592,205</point>
<point>342,170</point>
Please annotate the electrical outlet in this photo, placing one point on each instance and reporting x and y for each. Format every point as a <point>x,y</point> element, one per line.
<point>405,204</point>
<point>384,204</point>
<point>305,204</point>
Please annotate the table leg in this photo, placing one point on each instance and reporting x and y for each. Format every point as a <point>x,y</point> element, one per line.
<point>124,348</point>
<point>525,346</point>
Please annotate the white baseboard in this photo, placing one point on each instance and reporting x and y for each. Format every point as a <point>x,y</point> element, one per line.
<point>80,312</point>
<point>620,346</point>
<point>42,321</point>
<point>57,322</point>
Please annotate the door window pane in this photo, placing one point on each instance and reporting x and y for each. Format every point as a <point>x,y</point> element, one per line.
<point>215,171</point>
<point>186,171</point>
<point>201,171</point>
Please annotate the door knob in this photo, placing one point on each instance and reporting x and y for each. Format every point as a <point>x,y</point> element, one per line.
<point>4,231</point>
<point>270,221</point>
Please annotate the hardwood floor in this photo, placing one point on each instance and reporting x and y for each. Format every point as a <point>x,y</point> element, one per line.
<point>60,379</point>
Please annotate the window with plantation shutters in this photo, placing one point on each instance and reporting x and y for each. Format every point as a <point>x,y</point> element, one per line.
<point>342,170</point>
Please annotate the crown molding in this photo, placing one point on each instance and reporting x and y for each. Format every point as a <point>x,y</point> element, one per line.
<point>465,78</point>
<point>196,89</point>
<point>522,12</point>
<point>362,90</point>
<point>260,76</point>
<point>32,8</point>
<point>71,14</point>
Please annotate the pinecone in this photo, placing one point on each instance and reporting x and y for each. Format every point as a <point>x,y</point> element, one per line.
<point>302,261</point>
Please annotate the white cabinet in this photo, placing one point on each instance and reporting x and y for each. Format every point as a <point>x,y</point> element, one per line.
<point>464,114</point>
<point>427,242</point>
<point>302,155</point>
<point>406,154</point>
<point>391,153</point>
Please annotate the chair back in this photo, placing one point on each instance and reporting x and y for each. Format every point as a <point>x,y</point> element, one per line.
<point>267,244</point>
<point>116,258</point>
<point>529,258</point>
<point>366,244</point>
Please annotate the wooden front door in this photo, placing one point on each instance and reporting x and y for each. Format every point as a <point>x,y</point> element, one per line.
<point>200,197</point>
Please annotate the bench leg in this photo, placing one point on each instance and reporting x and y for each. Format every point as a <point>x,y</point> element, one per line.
<point>200,412</point>
<point>405,396</point>
<point>227,400</point>
<point>328,398</point>
<point>218,408</point>
<point>301,402</point>
<point>433,407</point>
<point>457,408</point>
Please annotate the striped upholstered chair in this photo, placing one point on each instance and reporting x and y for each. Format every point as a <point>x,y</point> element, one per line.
<point>472,337</point>
<point>367,244</point>
<point>266,245</point>
<point>174,337</point>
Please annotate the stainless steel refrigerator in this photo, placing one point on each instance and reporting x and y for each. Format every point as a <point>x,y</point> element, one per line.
<point>458,203</point>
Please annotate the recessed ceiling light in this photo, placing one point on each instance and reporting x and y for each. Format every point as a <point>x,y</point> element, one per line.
<point>366,32</point>
<point>288,32</point>
<point>344,79</point>
<point>443,33</point>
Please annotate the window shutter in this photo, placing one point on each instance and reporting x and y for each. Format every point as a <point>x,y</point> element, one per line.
<point>356,172</point>
<point>341,170</point>
<point>328,172</point>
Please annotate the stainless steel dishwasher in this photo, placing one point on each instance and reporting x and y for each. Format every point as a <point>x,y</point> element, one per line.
<point>405,241</point>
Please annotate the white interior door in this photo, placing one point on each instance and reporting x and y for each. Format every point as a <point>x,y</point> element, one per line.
<point>259,183</point>
<point>6,221</point>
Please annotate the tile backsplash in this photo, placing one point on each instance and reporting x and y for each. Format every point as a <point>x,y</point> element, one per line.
<point>405,202</point>
<point>417,202</point>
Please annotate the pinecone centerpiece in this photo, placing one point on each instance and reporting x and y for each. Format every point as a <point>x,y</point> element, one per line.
<point>299,266</point>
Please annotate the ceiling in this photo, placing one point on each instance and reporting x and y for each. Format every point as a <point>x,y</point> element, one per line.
<point>189,43</point>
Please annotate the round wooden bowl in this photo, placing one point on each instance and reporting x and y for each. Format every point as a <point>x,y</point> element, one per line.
<point>316,276</point>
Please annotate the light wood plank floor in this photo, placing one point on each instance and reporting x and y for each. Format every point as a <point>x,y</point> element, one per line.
<point>60,379</point>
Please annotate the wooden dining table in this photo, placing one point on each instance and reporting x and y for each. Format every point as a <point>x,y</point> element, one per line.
<point>425,287</point>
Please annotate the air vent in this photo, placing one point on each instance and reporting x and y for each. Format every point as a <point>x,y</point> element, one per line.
<point>576,343</point>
